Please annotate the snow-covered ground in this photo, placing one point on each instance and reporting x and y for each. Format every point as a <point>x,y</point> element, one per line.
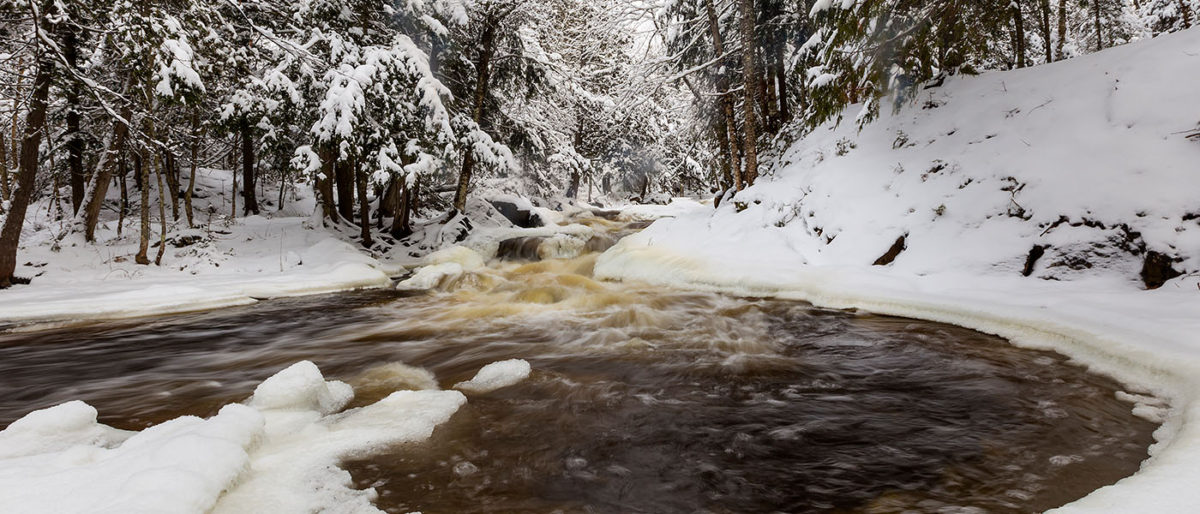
<point>1093,160</point>
<point>222,262</point>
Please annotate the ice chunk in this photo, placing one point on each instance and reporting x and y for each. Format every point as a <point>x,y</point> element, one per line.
<point>277,453</point>
<point>469,259</point>
<point>496,375</point>
<point>301,387</point>
<point>430,276</point>
<point>180,466</point>
<point>296,470</point>
<point>56,429</point>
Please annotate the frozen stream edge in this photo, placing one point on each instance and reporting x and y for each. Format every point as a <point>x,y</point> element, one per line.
<point>1143,339</point>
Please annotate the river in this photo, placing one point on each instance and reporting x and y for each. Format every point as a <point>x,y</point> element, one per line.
<point>642,399</point>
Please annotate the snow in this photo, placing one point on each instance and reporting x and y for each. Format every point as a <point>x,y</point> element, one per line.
<point>448,262</point>
<point>973,181</point>
<point>428,277</point>
<point>647,212</point>
<point>496,375</point>
<point>223,262</point>
<point>278,452</point>
<point>177,467</point>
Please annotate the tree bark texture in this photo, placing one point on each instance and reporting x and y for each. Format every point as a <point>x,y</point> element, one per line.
<point>249,198</point>
<point>750,75</point>
<point>27,167</point>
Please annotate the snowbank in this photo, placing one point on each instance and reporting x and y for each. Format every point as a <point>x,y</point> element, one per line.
<point>223,262</point>
<point>279,452</point>
<point>973,182</point>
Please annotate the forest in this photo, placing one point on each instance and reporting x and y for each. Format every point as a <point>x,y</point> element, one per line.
<point>384,108</point>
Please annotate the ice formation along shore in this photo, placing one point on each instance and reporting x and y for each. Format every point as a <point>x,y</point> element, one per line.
<point>277,452</point>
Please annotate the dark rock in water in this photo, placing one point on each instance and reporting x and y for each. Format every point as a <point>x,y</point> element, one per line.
<point>899,246</point>
<point>523,218</point>
<point>1035,253</point>
<point>520,249</point>
<point>1157,269</point>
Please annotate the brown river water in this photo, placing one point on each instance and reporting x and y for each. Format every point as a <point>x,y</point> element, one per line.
<point>642,399</point>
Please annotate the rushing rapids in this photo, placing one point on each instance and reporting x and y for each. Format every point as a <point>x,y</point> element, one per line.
<point>642,399</point>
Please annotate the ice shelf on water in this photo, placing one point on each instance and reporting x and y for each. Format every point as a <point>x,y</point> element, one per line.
<point>278,452</point>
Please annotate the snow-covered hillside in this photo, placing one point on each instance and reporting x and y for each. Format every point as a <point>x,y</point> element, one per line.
<point>1094,161</point>
<point>1083,175</point>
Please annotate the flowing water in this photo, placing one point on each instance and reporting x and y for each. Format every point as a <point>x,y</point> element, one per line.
<point>643,399</point>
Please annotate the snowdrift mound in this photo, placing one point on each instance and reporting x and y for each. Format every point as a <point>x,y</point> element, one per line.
<point>1080,168</point>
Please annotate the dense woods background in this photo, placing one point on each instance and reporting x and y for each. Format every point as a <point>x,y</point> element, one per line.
<point>393,111</point>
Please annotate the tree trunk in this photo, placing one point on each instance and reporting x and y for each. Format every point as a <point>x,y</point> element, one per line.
<point>191,190</point>
<point>726,180</point>
<point>487,48</point>
<point>143,171</point>
<point>1044,21</point>
<point>750,75</point>
<point>573,188</point>
<point>171,174</point>
<point>401,206</point>
<point>250,200</point>
<point>324,185</point>
<point>74,136</point>
<point>345,186</point>
<point>162,209</point>
<point>1099,35</point>
<point>124,204</point>
<point>233,155</point>
<point>771,100</point>
<point>727,102</point>
<point>98,188</point>
<point>1186,13</point>
<point>3,172</point>
<point>364,205</point>
<point>785,110</point>
<point>1018,32</point>
<point>27,167</point>
<point>1062,29</point>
